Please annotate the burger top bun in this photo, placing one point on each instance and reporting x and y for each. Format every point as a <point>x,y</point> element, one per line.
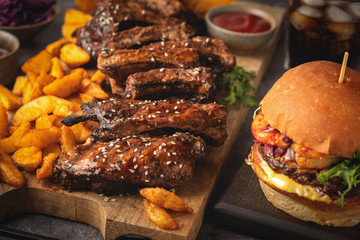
<point>310,106</point>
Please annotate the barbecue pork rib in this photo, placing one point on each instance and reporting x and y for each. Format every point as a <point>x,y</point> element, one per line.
<point>124,117</point>
<point>119,64</point>
<point>163,83</point>
<point>138,36</point>
<point>115,166</point>
<point>213,52</point>
<point>112,16</point>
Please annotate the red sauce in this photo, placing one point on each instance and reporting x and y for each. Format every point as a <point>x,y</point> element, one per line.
<point>241,22</point>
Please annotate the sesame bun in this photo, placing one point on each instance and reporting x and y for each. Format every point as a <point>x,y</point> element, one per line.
<point>311,107</point>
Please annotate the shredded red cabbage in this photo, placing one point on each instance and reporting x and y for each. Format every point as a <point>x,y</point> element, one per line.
<point>286,139</point>
<point>23,12</point>
<point>268,128</point>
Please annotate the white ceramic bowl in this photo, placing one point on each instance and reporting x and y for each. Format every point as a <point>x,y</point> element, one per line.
<point>242,43</point>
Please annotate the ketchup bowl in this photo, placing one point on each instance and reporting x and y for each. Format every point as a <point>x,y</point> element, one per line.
<point>244,29</point>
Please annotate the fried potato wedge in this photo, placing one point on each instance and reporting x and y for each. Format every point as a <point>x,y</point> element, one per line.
<point>65,86</point>
<point>19,85</point>
<point>80,132</point>
<point>8,99</point>
<point>86,6</point>
<point>7,145</point>
<point>9,172</point>
<point>39,138</point>
<point>85,73</point>
<point>45,121</point>
<point>56,69</point>
<point>98,77</point>
<point>28,158</point>
<point>86,98</point>
<point>159,216</point>
<point>34,109</point>
<point>39,63</point>
<point>67,140</point>
<point>4,123</point>
<point>73,55</point>
<point>45,171</point>
<point>95,91</point>
<point>73,16</point>
<point>54,47</point>
<point>67,31</point>
<point>32,91</point>
<point>51,148</point>
<point>165,199</point>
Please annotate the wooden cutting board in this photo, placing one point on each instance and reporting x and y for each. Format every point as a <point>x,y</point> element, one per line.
<point>123,214</point>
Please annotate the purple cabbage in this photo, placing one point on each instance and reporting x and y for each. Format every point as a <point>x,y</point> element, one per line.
<point>268,129</point>
<point>22,12</point>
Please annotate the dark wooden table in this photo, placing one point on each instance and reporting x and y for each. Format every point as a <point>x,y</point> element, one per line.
<point>215,225</point>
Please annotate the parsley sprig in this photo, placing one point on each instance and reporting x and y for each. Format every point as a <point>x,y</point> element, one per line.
<point>347,171</point>
<point>238,85</point>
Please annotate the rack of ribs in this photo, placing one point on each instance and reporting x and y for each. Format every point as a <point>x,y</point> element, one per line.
<point>119,64</point>
<point>124,117</point>
<point>160,83</point>
<point>114,16</point>
<point>117,165</point>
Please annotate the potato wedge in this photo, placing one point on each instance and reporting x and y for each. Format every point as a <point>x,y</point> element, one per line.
<point>32,76</point>
<point>56,69</point>
<point>32,91</point>
<point>95,91</point>
<point>86,98</point>
<point>51,148</point>
<point>98,77</point>
<point>28,158</point>
<point>63,110</point>
<point>39,63</point>
<point>19,85</point>
<point>65,86</point>
<point>159,216</point>
<point>39,138</point>
<point>73,16</point>
<point>165,199</point>
<point>67,31</point>
<point>45,171</point>
<point>12,129</point>
<point>86,6</point>
<point>67,140</point>
<point>9,172</point>
<point>34,109</point>
<point>54,48</point>
<point>45,121</point>
<point>8,99</point>
<point>85,73</point>
<point>44,79</point>
<point>73,55</point>
<point>80,132</point>
<point>7,145</point>
<point>4,123</point>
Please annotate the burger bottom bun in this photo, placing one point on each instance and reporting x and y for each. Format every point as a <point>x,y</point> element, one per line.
<point>300,211</point>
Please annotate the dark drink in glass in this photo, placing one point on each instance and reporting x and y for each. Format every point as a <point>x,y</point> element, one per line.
<point>323,30</point>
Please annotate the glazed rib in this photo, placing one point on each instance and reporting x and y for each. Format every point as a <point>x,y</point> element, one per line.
<point>213,52</point>
<point>161,83</point>
<point>138,36</point>
<point>119,64</point>
<point>108,167</point>
<point>120,118</point>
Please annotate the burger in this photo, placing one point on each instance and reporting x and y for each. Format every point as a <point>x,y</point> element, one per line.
<point>306,152</point>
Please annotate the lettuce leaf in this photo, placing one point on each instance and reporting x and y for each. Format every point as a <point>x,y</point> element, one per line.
<point>347,171</point>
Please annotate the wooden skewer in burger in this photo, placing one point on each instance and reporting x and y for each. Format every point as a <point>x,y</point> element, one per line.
<point>306,152</point>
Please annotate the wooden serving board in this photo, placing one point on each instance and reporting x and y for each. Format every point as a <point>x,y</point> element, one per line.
<point>118,215</point>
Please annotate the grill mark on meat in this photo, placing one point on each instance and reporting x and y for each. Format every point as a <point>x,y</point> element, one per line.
<point>119,64</point>
<point>141,35</point>
<point>113,16</point>
<point>213,52</point>
<point>171,82</point>
<point>108,167</point>
<point>119,118</point>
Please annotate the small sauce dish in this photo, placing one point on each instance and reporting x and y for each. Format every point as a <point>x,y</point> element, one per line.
<point>244,29</point>
<point>9,61</point>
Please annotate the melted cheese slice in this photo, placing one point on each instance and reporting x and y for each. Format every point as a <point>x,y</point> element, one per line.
<point>286,184</point>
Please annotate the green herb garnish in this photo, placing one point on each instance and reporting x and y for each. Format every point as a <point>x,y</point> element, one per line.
<point>238,83</point>
<point>347,171</point>
<point>256,112</point>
